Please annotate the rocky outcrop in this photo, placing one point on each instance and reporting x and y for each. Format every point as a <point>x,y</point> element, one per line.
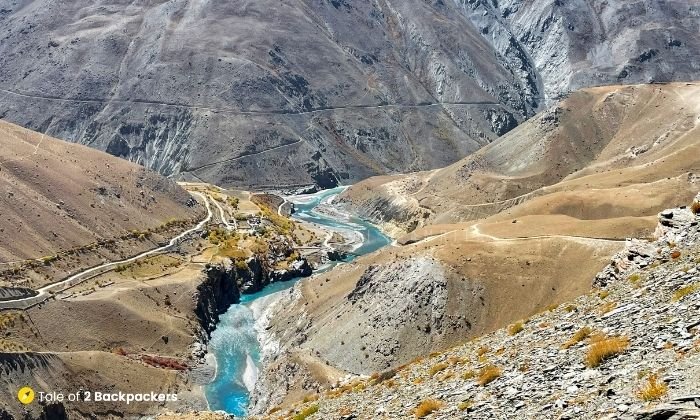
<point>563,46</point>
<point>17,370</point>
<point>217,291</point>
<point>223,284</point>
<point>257,273</point>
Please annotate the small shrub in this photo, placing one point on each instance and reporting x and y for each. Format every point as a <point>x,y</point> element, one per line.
<point>515,328</point>
<point>603,294</point>
<point>437,368</point>
<point>482,351</point>
<point>470,374</point>
<point>605,308</point>
<point>634,278</point>
<point>488,374</point>
<point>605,348</point>
<point>695,207</point>
<point>570,308</point>
<point>676,254</point>
<point>653,389</point>
<point>465,405</point>
<point>303,414</point>
<point>384,376</point>
<point>120,351</point>
<point>578,336</point>
<point>426,407</point>
<point>685,291</point>
<point>310,397</point>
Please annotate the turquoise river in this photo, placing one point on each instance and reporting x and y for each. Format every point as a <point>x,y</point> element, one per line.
<point>234,343</point>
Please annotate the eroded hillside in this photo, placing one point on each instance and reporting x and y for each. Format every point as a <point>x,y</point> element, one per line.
<point>628,350</point>
<point>67,206</point>
<point>263,93</point>
<point>582,160</point>
<point>563,192</point>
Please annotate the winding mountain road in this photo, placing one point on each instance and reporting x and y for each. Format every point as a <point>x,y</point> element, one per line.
<point>230,226</point>
<point>248,112</point>
<point>44,292</point>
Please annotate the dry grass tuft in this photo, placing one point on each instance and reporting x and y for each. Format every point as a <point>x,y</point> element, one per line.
<point>653,389</point>
<point>469,374</point>
<point>426,407</point>
<point>437,368</point>
<point>310,397</point>
<point>448,375</point>
<point>607,307</point>
<point>685,291</point>
<point>308,411</point>
<point>482,351</point>
<point>695,207</point>
<point>455,360</point>
<point>465,405</point>
<point>515,328</point>
<point>488,374</point>
<point>578,336</point>
<point>605,348</point>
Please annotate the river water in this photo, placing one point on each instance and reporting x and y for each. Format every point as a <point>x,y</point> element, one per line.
<point>234,343</point>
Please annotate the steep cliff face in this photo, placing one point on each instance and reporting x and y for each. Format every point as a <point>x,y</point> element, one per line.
<point>217,291</point>
<point>223,284</point>
<point>387,308</point>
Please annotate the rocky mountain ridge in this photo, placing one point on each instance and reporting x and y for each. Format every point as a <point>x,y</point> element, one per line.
<point>629,349</point>
<point>319,92</point>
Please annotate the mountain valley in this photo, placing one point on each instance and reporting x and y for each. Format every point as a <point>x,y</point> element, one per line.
<point>326,209</point>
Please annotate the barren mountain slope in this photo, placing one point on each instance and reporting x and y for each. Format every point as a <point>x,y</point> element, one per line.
<point>580,43</point>
<point>271,93</point>
<point>628,350</point>
<point>66,207</point>
<point>602,165</point>
<point>262,93</point>
<point>596,148</point>
<point>57,195</point>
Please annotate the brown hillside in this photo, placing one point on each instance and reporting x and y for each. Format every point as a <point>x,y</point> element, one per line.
<point>523,224</point>
<point>600,146</point>
<point>56,195</point>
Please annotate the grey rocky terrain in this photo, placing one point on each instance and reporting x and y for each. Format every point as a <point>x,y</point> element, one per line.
<point>282,94</point>
<point>646,301</point>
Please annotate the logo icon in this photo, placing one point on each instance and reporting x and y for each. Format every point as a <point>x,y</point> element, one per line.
<point>25,395</point>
